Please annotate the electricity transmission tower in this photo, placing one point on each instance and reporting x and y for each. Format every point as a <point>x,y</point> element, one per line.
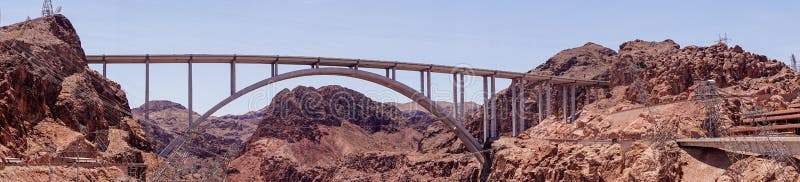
<point>723,39</point>
<point>47,8</point>
<point>707,91</point>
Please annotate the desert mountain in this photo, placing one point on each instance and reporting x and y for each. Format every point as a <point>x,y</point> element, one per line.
<point>332,133</point>
<point>650,100</point>
<point>218,141</point>
<point>53,105</point>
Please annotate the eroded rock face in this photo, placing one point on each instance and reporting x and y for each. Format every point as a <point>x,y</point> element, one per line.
<point>656,74</point>
<point>212,146</point>
<point>373,143</point>
<point>49,98</point>
<point>292,112</point>
<point>670,71</point>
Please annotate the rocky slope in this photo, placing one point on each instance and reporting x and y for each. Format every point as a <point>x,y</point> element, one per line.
<point>168,118</point>
<point>52,104</point>
<point>221,138</point>
<point>216,143</point>
<point>660,75</point>
<point>333,133</point>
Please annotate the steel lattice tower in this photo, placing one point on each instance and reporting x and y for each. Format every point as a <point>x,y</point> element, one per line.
<point>707,91</point>
<point>47,8</point>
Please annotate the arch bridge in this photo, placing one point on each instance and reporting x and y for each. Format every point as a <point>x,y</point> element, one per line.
<point>350,68</point>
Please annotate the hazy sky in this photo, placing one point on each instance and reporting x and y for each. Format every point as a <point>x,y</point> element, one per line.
<point>504,35</point>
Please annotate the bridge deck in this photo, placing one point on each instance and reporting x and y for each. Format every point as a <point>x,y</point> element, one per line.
<point>758,145</point>
<point>323,61</point>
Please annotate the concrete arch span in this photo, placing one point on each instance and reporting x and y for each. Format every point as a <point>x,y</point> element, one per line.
<point>462,133</point>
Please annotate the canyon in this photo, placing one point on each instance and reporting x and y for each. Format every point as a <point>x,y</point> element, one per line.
<point>53,106</point>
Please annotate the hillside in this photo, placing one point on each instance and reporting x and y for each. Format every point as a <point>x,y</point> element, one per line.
<point>322,134</point>
<point>218,142</point>
<point>52,106</point>
<point>650,100</point>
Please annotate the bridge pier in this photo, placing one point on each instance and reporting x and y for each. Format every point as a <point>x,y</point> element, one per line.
<point>190,92</point>
<point>572,104</point>
<point>147,89</point>
<point>494,107</point>
<point>422,82</point>
<point>316,65</point>
<point>587,95</point>
<point>564,102</point>
<point>462,112</point>
<point>394,72</point>
<point>233,75</point>
<point>521,107</point>
<point>429,82</point>
<point>513,90</point>
<point>539,103</point>
<point>485,110</point>
<point>274,71</point>
<point>549,96</point>
<point>455,96</point>
<point>104,66</point>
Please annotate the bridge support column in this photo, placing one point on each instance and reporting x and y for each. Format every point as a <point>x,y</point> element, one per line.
<point>394,73</point>
<point>494,108</point>
<point>572,104</point>
<point>429,82</point>
<point>548,109</point>
<point>147,89</point>
<point>233,75</point>
<point>521,107</point>
<point>104,68</point>
<point>387,73</point>
<point>540,102</point>
<point>190,92</point>
<point>587,95</point>
<point>455,96</point>
<point>485,110</point>
<point>422,82</point>
<point>462,112</point>
<point>274,71</point>
<point>513,90</point>
<point>564,102</point>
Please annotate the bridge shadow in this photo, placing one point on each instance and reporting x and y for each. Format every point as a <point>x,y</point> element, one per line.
<point>714,157</point>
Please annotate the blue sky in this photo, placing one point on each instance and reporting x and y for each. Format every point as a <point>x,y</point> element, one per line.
<point>504,35</point>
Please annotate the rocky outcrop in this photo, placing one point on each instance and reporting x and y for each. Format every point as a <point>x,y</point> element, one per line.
<point>670,71</point>
<point>649,101</point>
<point>293,111</point>
<point>213,145</point>
<point>49,98</point>
<point>303,138</point>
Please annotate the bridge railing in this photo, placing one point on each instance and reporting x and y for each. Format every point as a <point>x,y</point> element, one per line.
<point>325,61</point>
